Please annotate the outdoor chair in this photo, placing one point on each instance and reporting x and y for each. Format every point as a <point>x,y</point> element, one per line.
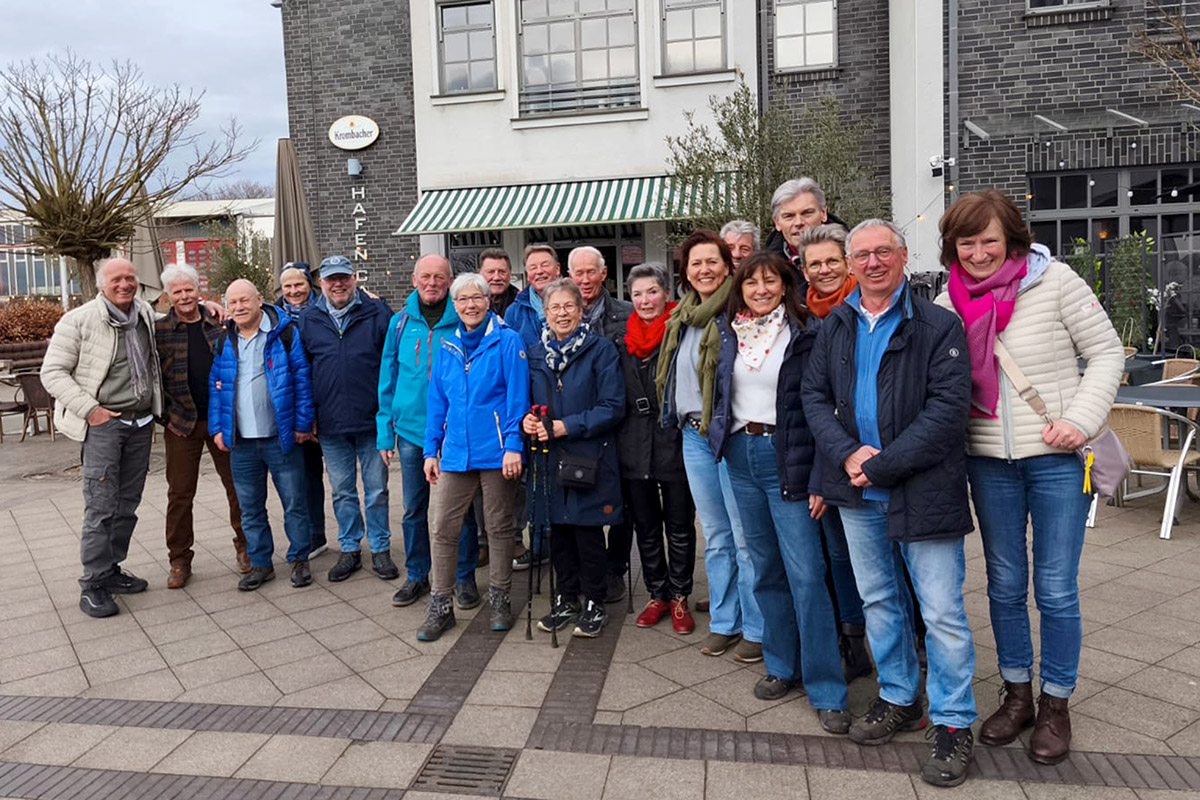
<point>9,408</point>
<point>37,401</point>
<point>1140,429</point>
<point>1178,370</point>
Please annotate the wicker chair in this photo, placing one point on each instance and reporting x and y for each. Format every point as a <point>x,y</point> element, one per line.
<point>1140,429</point>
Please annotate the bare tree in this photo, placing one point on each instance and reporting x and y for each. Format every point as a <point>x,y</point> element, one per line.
<point>78,142</point>
<point>1169,45</point>
<point>234,190</point>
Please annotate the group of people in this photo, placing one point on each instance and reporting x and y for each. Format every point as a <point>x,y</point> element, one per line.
<point>823,423</point>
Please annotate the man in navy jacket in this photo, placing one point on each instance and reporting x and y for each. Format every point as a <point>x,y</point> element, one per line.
<point>343,333</point>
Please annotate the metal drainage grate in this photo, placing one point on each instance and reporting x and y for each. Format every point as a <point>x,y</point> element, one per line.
<point>466,770</point>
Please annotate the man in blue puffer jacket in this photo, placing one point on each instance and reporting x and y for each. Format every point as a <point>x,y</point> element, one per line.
<point>260,406</point>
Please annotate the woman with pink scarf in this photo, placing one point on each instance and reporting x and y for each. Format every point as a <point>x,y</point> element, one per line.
<point>1010,293</point>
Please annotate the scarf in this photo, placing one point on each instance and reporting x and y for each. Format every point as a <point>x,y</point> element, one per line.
<point>985,306</point>
<point>470,339</point>
<point>756,336</point>
<point>339,314</point>
<point>594,316</point>
<point>641,337</point>
<point>821,306</point>
<point>535,300</point>
<point>694,313</point>
<point>135,354</point>
<point>559,354</point>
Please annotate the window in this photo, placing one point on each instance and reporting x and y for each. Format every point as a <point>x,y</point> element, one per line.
<point>1063,5</point>
<point>805,34</point>
<point>466,47</point>
<point>693,36</point>
<point>578,55</point>
<point>1157,15</point>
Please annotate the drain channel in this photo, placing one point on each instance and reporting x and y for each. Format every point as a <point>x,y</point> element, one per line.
<point>466,770</point>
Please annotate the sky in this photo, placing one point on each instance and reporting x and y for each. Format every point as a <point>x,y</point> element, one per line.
<point>232,50</point>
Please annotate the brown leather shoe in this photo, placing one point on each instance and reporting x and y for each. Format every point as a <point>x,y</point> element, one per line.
<point>1014,715</point>
<point>179,576</point>
<point>243,561</point>
<point>1051,741</point>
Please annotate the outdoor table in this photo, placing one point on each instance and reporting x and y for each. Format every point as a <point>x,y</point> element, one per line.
<point>1141,367</point>
<point>1184,395</point>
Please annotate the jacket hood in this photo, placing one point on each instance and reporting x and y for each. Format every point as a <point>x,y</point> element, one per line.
<point>1035,266</point>
<point>412,306</point>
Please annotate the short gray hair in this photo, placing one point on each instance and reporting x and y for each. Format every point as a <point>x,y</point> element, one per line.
<point>817,234</point>
<point>467,279</point>
<point>585,249</point>
<point>179,272</point>
<point>562,285</point>
<point>742,227</point>
<point>651,269</point>
<point>897,234</point>
<point>796,186</point>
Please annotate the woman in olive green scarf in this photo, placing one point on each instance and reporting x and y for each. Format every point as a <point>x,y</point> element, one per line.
<point>687,368</point>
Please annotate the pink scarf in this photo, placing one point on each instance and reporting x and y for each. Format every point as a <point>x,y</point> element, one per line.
<point>985,306</point>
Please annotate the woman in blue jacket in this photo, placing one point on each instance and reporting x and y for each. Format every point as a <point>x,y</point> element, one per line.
<point>478,391</point>
<point>576,373</point>
<point>758,428</point>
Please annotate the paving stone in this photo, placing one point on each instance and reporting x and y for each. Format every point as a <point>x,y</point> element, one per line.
<point>350,692</point>
<point>726,780</point>
<point>630,778</point>
<point>1091,734</point>
<point>1107,667</point>
<point>1152,717</point>
<point>123,666</point>
<point>1173,687</point>
<point>688,667</point>
<point>374,654</point>
<point>40,663</point>
<point>69,681</point>
<point>158,685</point>
<point>383,764</point>
<point>402,681</point>
<point>13,731</point>
<point>527,656</point>
<point>307,672</point>
<point>217,753</point>
<point>254,689</point>
<point>1042,791</point>
<point>132,749</point>
<point>1187,741</point>
<point>171,632</point>
<point>196,647</point>
<point>56,743</point>
<point>631,685</point>
<point>302,759</point>
<point>838,784</point>
<point>1187,660</point>
<point>492,726</point>
<point>214,669</point>
<point>1156,624</point>
<point>285,651</point>
<point>510,689</point>
<point>268,629</point>
<point>543,775</point>
<point>1131,644</point>
<point>640,644</point>
<point>685,709</point>
<point>975,788</point>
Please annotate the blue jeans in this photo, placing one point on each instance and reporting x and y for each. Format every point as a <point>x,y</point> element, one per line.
<point>250,460</point>
<point>732,607</point>
<point>784,543</point>
<point>937,568</point>
<point>849,604</point>
<point>415,489</point>
<point>340,454</point>
<point>1007,494</point>
<point>314,491</point>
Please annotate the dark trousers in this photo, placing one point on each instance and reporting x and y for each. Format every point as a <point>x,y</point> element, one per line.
<point>116,458</point>
<point>620,539</point>
<point>652,505</point>
<point>183,472</point>
<point>579,559</point>
<point>314,491</point>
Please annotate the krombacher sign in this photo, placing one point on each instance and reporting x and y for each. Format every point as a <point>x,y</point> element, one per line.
<point>353,132</point>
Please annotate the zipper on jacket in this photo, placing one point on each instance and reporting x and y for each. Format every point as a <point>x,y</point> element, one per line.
<point>1006,418</point>
<point>499,434</point>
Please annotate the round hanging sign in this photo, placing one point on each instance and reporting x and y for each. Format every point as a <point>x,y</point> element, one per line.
<point>353,132</point>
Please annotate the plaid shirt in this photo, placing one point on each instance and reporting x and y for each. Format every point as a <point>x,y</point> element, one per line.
<point>170,333</point>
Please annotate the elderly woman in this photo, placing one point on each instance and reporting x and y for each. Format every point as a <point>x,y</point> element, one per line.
<point>759,432</point>
<point>576,374</point>
<point>655,484</point>
<point>1022,469</point>
<point>478,391</point>
<point>295,288</point>
<point>687,370</point>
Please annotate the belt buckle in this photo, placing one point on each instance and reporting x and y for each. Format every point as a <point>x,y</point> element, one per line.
<point>642,404</point>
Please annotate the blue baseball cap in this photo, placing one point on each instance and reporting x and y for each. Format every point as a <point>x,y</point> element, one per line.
<point>336,265</point>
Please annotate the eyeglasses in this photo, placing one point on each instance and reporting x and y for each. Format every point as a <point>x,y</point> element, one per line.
<point>470,299</point>
<point>829,263</point>
<point>562,308</point>
<point>884,253</point>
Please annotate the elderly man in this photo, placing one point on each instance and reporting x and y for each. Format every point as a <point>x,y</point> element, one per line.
<point>260,408</point>
<point>343,333</point>
<point>496,269</point>
<point>526,315</point>
<point>797,204</point>
<point>742,237</point>
<point>102,368</point>
<point>887,394</point>
<point>414,336</point>
<point>185,338</point>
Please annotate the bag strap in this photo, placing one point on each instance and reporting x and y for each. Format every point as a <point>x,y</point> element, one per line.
<point>1019,381</point>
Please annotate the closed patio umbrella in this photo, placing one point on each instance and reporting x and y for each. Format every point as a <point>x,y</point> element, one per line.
<point>295,239</point>
<point>146,255</point>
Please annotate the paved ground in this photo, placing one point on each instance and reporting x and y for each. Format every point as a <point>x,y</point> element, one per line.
<point>211,692</point>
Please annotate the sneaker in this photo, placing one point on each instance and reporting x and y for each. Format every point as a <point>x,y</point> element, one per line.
<point>771,688</point>
<point>950,756</point>
<point>347,564</point>
<point>884,720</point>
<point>681,618</point>
<point>255,578</point>
<point>383,566</point>
<point>319,550</point>
<point>614,589</point>
<point>466,594</point>
<point>410,592</point>
<point>747,652</point>
<point>834,721</point>
<point>526,560</point>
<point>301,574</point>
<point>562,614</point>
<point>715,644</point>
<point>97,601</point>
<point>591,621</point>
<point>125,583</point>
<point>502,616</point>
<point>438,620</point>
<point>654,611</point>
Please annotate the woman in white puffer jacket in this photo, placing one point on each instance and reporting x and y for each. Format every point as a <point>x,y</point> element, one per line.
<point>1021,468</point>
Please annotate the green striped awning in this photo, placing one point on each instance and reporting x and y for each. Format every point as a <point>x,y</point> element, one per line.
<point>490,208</point>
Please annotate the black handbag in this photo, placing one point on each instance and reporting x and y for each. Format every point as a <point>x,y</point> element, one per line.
<point>578,472</point>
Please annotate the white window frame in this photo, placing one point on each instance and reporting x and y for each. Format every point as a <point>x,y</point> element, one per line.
<point>1060,6</point>
<point>692,6</point>
<point>443,87</point>
<point>804,36</point>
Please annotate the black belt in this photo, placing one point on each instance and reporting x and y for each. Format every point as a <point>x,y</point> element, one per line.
<point>758,429</point>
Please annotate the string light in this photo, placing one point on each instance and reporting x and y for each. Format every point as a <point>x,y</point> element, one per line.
<point>920,217</point>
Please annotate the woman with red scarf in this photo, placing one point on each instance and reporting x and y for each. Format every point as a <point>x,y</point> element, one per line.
<point>655,485</point>
<point>1011,295</point>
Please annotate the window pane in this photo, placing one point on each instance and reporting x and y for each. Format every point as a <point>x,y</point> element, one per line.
<point>1104,189</point>
<point>481,44</point>
<point>1045,193</point>
<point>1072,229</point>
<point>454,16</point>
<point>455,47</point>
<point>593,33</point>
<point>708,54</point>
<point>1175,180</point>
<point>562,68</point>
<point>562,37</point>
<point>1104,230</point>
<point>480,14</point>
<point>790,53</point>
<point>620,31</point>
<point>789,20</point>
<point>679,25</point>
<point>590,6</point>
<point>620,5</point>
<point>679,57</point>
<point>457,79</point>
<point>1144,183</point>
<point>535,39</point>
<point>537,70</point>
<point>483,76</point>
<point>708,22</point>
<point>623,62</point>
<point>533,9</point>
<point>1073,191</point>
<point>1046,233</point>
<point>562,8</point>
<point>819,17</point>
<point>595,65</point>
<point>820,49</point>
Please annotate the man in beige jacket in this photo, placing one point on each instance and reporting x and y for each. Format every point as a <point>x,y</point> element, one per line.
<point>102,368</point>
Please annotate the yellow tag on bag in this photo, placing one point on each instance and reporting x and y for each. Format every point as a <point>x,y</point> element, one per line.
<point>1087,471</point>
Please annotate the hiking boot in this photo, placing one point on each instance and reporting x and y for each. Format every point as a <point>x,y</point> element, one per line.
<point>747,652</point>
<point>654,611</point>
<point>681,618</point>
<point>502,616</point>
<point>852,643</point>
<point>466,594</point>
<point>614,589</point>
<point>1051,740</point>
<point>97,601</point>
<point>771,688</point>
<point>591,621</point>
<point>410,592</point>
<point>347,564</point>
<point>179,576</point>
<point>438,620</point>
<point>255,578</point>
<point>526,560</point>
<point>950,756</point>
<point>715,644</point>
<point>125,583</point>
<point>1014,715</point>
<point>834,721</point>
<point>383,566</point>
<point>884,720</point>
<point>301,574</point>
<point>562,614</point>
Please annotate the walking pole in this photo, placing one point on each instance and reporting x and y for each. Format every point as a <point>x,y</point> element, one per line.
<point>548,424</point>
<point>544,525</point>
<point>532,479</point>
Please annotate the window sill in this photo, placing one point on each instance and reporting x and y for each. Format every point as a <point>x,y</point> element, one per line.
<point>580,118</point>
<point>465,97</point>
<point>1044,18</point>
<point>694,78</point>
<point>809,75</point>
